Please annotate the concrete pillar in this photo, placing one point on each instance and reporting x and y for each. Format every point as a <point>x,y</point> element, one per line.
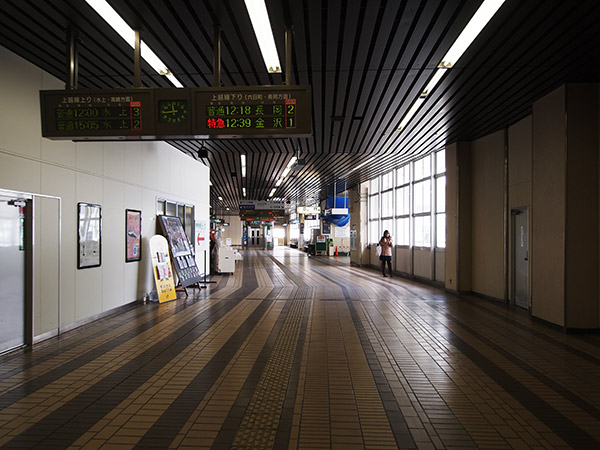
<point>458,217</point>
<point>564,236</point>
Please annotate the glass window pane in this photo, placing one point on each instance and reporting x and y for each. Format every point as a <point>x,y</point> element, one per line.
<point>440,194</point>
<point>441,230</point>
<point>402,201</point>
<point>422,168</point>
<point>387,224</point>
<point>386,181</point>
<point>422,196</point>
<point>440,161</point>
<point>171,209</point>
<point>374,186</point>
<point>422,231</point>
<point>373,207</point>
<point>160,207</point>
<point>403,175</point>
<point>402,236</point>
<point>189,222</point>
<point>387,206</point>
<point>374,232</point>
<point>181,213</point>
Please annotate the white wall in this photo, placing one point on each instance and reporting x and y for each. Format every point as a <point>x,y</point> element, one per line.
<point>114,175</point>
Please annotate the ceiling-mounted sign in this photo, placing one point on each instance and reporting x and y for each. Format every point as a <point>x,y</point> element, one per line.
<point>265,111</point>
<point>308,210</point>
<point>261,204</point>
<point>188,113</point>
<point>97,114</point>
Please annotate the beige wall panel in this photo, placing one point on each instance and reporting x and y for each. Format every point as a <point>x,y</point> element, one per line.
<point>114,160</point>
<point>582,207</point>
<point>90,157</point>
<point>61,153</point>
<point>19,128</point>
<point>487,215</point>
<point>113,245</point>
<point>451,270</point>
<point>19,174</point>
<point>548,207</point>
<point>402,257</point>
<point>440,265</point>
<point>48,268</point>
<point>422,263</point>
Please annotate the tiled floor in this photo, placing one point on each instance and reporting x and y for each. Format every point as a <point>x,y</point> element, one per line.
<point>297,352</point>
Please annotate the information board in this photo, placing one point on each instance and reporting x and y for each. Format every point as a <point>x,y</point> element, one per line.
<point>97,113</point>
<point>185,263</point>
<point>264,111</point>
<point>172,113</point>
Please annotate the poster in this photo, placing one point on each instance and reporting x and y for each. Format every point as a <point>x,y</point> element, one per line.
<point>161,267</point>
<point>89,235</point>
<point>177,238</point>
<point>133,235</point>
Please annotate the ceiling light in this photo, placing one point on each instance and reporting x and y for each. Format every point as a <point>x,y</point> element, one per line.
<point>479,20</point>
<point>220,198</point>
<point>278,183</point>
<point>243,158</point>
<point>286,171</point>
<point>244,191</point>
<point>264,33</point>
<point>439,73</point>
<point>128,34</point>
<point>272,192</point>
<point>411,112</point>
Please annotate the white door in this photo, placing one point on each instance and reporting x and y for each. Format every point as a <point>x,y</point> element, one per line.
<point>521,256</point>
<point>12,274</point>
<point>255,237</point>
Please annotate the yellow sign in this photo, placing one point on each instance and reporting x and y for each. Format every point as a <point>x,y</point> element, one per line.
<point>161,267</point>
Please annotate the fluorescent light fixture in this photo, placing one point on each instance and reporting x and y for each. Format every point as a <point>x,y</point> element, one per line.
<point>244,191</point>
<point>439,73</point>
<point>272,192</point>
<point>278,182</point>
<point>220,198</point>
<point>479,20</point>
<point>243,158</point>
<point>128,34</point>
<point>411,112</point>
<point>361,165</point>
<point>227,209</point>
<point>264,33</point>
<point>292,162</point>
<point>286,171</point>
<point>209,183</point>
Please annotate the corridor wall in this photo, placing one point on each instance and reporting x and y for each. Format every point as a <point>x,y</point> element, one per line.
<point>116,175</point>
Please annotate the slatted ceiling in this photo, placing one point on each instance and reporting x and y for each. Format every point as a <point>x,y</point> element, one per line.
<point>364,58</point>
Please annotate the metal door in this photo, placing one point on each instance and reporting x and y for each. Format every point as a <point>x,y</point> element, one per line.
<point>12,273</point>
<point>521,256</point>
<point>255,237</point>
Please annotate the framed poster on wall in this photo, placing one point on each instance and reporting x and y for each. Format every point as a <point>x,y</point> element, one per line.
<point>89,235</point>
<point>133,235</point>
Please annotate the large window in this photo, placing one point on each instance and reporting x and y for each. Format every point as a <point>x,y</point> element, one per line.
<point>410,202</point>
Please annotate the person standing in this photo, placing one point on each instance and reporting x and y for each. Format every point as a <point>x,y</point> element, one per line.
<point>386,252</point>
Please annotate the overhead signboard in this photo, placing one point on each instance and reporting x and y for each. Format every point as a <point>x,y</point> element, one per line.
<point>261,204</point>
<point>97,113</point>
<point>188,113</point>
<point>265,111</point>
<point>308,210</point>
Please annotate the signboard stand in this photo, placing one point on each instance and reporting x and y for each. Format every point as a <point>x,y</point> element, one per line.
<point>184,261</point>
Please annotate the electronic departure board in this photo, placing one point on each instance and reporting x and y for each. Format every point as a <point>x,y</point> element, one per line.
<point>253,111</point>
<point>97,113</point>
<point>171,113</point>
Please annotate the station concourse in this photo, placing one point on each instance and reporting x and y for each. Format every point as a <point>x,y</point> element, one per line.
<point>145,145</point>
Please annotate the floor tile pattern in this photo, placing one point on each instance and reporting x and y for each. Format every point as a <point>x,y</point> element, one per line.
<point>301,352</point>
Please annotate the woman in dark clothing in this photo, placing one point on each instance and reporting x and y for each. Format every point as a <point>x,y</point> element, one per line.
<point>386,252</point>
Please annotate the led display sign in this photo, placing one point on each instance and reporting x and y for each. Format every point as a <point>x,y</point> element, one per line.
<point>97,113</point>
<point>189,113</point>
<point>253,111</point>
